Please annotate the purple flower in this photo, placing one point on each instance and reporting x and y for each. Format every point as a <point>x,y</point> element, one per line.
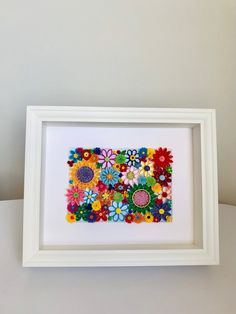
<point>107,158</point>
<point>92,217</point>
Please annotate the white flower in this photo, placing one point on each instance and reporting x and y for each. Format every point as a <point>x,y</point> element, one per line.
<point>147,168</point>
<point>165,194</point>
<point>131,176</point>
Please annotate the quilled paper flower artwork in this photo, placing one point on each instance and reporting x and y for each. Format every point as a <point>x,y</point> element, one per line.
<point>124,185</point>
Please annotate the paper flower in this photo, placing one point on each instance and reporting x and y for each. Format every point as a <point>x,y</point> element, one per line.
<point>164,194</point>
<point>109,176</point>
<point>106,158</point>
<point>162,211</point>
<point>84,174</point>
<point>89,196</point>
<point>162,157</point>
<point>147,168</point>
<point>117,211</point>
<point>75,195</point>
<point>131,176</point>
<point>132,157</point>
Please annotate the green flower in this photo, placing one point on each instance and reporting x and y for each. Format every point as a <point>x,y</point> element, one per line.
<point>141,198</point>
<point>117,197</point>
<point>151,181</point>
<point>120,159</point>
<point>82,212</point>
<point>169,169</point>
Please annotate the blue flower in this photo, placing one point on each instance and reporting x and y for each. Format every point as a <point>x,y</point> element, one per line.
<point>142,152</point>
<point>97,151</point>
<point>117,211</point>
<point>75,156</point>
<point>132,157</point>
<point>91,217</point>
<point>89,196</point>
<point>109,176</point>
<point>161,211</point>
<point>142,180</point>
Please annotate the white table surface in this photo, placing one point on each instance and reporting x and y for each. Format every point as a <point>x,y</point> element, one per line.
<point>190,289</point>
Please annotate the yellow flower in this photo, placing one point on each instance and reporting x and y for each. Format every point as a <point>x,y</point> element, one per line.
<point>96,206</point>
<point>125,194</point>
<point>84,174</point>
<point>148,217</point>
<point>105,195</point>
<point>71,218</point>
<point>151,152</point>
<point>156,188</point>
<point>168,218</point>
<point>147,168</point>
<point>116,166</point>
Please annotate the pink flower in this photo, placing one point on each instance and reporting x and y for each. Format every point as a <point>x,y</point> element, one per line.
<point>75,195</point>
<point>131,176</point>
<point>165,194</point>
<point>107,158</point>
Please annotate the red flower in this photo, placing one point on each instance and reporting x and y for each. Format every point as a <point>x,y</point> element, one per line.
<point>102,214</point>
<point>79,150</point>
<point>123,167</point>
<point>162,176</point>
<point>162,157</point>
<point>86,154</point>
<point>70,163</point>
<point>158,201</point>
<point>156,219</point>
<point>144,159</point>
<point>72,208</point>
<point>101,186</point>
<point>125,200</point>
<point>120,187</point>
<point>129,218</point>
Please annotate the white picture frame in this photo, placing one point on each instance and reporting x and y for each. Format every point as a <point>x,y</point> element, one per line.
<point>205,248</point>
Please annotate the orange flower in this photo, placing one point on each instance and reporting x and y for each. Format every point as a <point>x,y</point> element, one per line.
<point>138,217</point>
<point>117,167</point>
<point>94,158</point>
<point>105,197</point>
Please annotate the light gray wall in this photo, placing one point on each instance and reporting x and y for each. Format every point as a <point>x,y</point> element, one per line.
<point>163,53</point>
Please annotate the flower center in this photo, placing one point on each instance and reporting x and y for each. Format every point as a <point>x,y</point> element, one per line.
<point>76,155</point>
<point>118,210</point>
<point>130,175</point>
<point>162,158</point>
<point>132,157</point>
<point>161,211</point>
<point>141,198</point>
<point>107,159</point>
<point>162,177</point>
<point>85,174</point>
<point>164,194</point>
<point>109,176</point>
<point>146,168</point>
<point>105,196</point>
<point>76,194</point>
